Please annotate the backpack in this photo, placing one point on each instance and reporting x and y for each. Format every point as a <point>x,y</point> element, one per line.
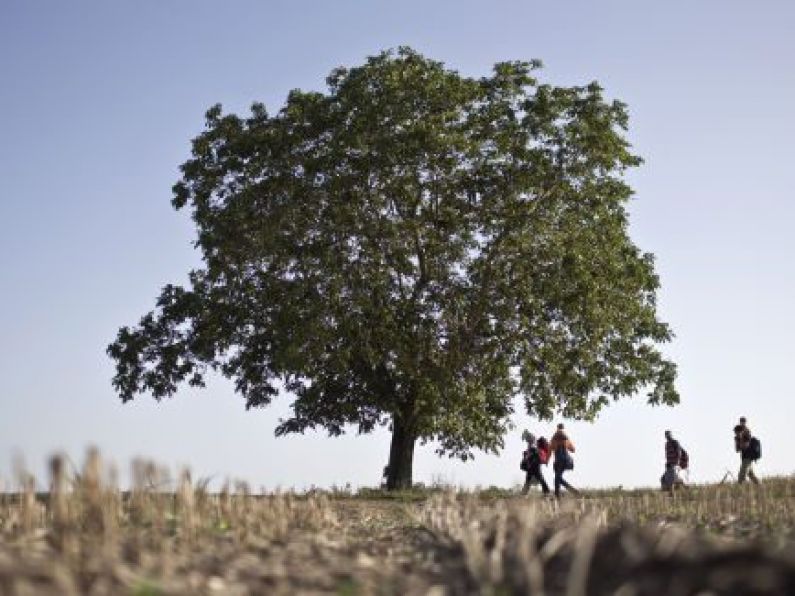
<point>543,450</point>
<point>755,448</point>
<point>684,458</point>
<point>563,459</point>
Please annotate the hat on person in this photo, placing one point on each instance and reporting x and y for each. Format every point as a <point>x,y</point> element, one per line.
<point>528,436</point>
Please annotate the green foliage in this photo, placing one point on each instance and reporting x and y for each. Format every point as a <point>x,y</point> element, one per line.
<point>412,247</point>
<point>146,588</point>
<point>348,587</point>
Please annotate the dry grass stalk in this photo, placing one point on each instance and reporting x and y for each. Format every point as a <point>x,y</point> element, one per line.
<point>86,536</point>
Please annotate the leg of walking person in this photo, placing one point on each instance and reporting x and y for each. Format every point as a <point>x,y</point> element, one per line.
<point>558,481</point>
<point>752,474</point>
<point>528,480</point>
<point>667,479</point>
<point>746,463</point>
<point>535,476</point>
<point>542,482</point>
<point>568,486</point>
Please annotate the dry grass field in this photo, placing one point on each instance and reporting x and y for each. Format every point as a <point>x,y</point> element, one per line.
<point>84,536</point>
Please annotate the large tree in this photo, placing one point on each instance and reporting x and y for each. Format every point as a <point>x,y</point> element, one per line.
<point>412,249</point>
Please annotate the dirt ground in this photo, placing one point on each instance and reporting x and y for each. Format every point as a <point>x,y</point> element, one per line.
<point>362,548</point>
<point>435,545</point>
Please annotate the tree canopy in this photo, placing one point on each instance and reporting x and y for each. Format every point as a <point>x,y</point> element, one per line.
<point>412,248</point>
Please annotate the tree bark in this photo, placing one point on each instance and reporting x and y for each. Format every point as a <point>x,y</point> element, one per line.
<point>401,456</point>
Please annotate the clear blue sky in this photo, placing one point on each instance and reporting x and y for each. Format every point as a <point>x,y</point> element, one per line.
<point>98,102</point>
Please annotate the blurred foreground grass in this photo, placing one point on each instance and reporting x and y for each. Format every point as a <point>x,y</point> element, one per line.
<point>85,536</point>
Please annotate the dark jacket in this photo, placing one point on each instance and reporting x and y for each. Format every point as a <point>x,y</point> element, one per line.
<point>673,452</point>
<point>742,440</point>
<point>533,459</point>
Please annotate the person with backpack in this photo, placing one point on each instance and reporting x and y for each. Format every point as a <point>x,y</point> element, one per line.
<point>750,449</point>
<point>562,447</point>
<point>676,460</point>
<point>532,459</point>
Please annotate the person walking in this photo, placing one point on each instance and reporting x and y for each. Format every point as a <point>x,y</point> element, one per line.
<point>750,451</point>
<point>531,464</point>
<point>562,447</point>
<point>674,456</point>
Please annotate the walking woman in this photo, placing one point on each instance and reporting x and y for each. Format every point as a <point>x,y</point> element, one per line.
<point>562,447</point>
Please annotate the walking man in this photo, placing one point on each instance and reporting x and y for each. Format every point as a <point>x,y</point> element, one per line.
<point>750,451</point>
<point>562,447</point>
<point>531,464</point>
<point>674,454</point>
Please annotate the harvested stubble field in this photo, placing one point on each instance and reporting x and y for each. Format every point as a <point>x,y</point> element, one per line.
<point>86,537</point>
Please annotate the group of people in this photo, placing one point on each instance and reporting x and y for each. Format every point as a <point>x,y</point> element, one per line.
<point>538,453</point>
<point>560,447</point>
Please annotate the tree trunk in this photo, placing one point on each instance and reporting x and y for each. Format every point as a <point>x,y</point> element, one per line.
<point>401,456</point>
